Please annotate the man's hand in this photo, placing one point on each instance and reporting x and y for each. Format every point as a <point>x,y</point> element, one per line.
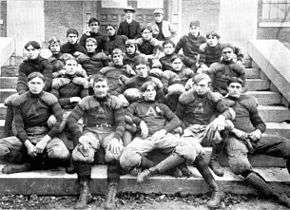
<point>218,123</point>
<point>159,134</point>
<point>114,146</point>
<point>75,99</point>
<point>40,146</point>
<point>255,135</point>
<point>81,81</point>
<point>31,150</point>
<point>144,130</point>
<point>239,133</point>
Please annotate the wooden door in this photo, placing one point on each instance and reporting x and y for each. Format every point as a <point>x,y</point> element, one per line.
<point>111,15</point>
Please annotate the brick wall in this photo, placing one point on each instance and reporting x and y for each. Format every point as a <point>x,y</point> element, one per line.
<point>61,15</point>
<point>3,18</point>
<point>206,11</point>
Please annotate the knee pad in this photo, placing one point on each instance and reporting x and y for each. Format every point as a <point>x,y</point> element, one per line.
<point>239,167</point>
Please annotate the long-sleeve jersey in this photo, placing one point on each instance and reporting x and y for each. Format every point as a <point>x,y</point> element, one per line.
<point>36,65</point>
<point>72,48</point>
<point>247,117</point>
<point>34,110</point>
<point>222,71</point>
<point>65,92</point>
<point>172,77</point>
<point>201,109</point>
<point>190,45</point>
<point>113,73</point>
<point>97,112</point>
<point>156,115</point>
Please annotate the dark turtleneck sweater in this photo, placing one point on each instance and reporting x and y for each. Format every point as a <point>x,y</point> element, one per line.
<point>72,48</point>
<point>32,110</point>
<point>190,45</point>
<point>116,41</point>
<point>101,39</point>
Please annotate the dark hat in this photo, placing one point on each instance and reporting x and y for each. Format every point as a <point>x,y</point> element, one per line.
<point>129,9</point>
<point>194,23</point>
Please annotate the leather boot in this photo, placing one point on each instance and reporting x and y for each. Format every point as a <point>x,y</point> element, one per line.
<point>214,163</point>
<point>85,195</point>
<point>288,165</point>
<point>110,202</point>
<point>170,162</point>
<point>70,169</point>
<point>258,182</point>
<point>217,195</point>
<point>11,169</point>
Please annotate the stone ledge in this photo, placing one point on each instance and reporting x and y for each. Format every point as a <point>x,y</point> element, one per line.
<point>60,183</point>
<point>7,48</point>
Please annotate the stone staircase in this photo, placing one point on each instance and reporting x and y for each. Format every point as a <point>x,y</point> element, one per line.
<point>272,109</point>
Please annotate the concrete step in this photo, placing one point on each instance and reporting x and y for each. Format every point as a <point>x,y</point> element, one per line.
<point>280,129</point>
<point>257,84</point>
<point>266,97</point>
<point>274,113</point>
<point>57,182</point>
<point>252,73</point>
<point>4,93</point>
<point>9,71</point>
<point>8,82</point>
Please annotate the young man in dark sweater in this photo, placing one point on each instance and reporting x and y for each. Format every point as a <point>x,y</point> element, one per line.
<point>32,63</point>
<point>94,32</point>
<point>132,53</point>
<point>35,140</point>
<point>103,128</point>
<point>191,42</point>
<point>114,40</point>
<point>72,46</point>
<point>246,137</point>
<point>225,69</point>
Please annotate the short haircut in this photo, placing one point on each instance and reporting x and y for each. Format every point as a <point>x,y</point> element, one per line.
<point>113,26</point>
<point>168,42</point>
<point>141,61</point>
<point>202,76</point>
<point>93,20</point>
<point>149,28</point>
<point>34,44</point>
<point>117,51</point>
<point>212,34</point>
<point>34,75</point>
<point>66,56</point>
<point>146,84</point>
<point>228,45</point>
<point>70,58</point>
<point>236,80</point>
<point>72,31</point>
<point>53,40</point>
<point>99,78</point>
<point>176,57</point>
<point>91,40</point>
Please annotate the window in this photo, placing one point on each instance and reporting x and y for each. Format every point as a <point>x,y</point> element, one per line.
<point>275,13</point>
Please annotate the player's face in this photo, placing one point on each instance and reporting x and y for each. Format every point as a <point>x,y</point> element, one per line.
<point>118,59</point>
<point>235,89</point>
<point>142,70</point>
<point>212,41</point>
<point>177,64</point>
<point>94,27</point>
<point>130,49</point>
<point>71,66</point>
<point>91,47</point>
<point>101,89</point>
<point>202,87</point>
<point>150,93</point>
<point>72,38</point>
<point>110,31</point>
<point>36,85</point>
<point>168,49</point>
<point>194,30</point>
<point>31,52</point>
<point>129,15</point>
<point>228,54</point>
<point>147,34</point>
<point>158,17</point>
<point>54,48</point>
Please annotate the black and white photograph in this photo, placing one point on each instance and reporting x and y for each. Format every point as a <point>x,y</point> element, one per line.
<point>145,104</point>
